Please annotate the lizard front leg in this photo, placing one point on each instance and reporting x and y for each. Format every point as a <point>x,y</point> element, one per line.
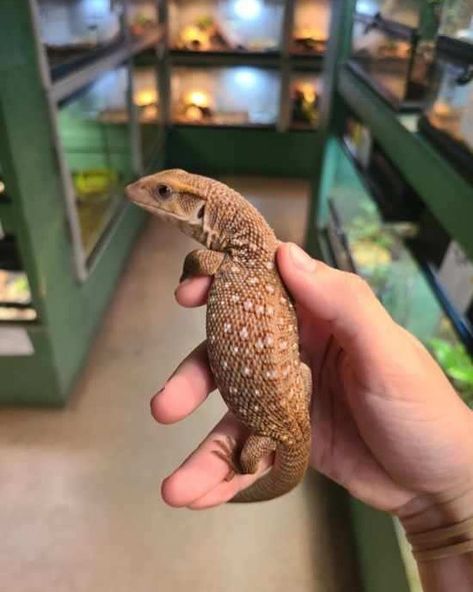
<point>201,262</point>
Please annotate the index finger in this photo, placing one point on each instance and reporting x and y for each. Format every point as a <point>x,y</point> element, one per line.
<point>193,291</point>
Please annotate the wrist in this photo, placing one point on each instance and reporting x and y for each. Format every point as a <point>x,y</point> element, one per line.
<point>428,512</point>
<point>439,527</point>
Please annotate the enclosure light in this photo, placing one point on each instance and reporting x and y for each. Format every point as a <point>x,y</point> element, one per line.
<point>146,97</point>
<point>98,6</point>
<point>198,98</point>
<point>247,9</point>
<point>246,77</point>
<point>2,187</point>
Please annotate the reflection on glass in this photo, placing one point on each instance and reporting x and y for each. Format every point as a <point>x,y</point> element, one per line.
<point>85,24</point>
<point>238,95</point>
<point>457,20</point>
<point>404,12</point>
<point>305,100</point>
<point>226,25</point>
<point>382,259</point>
<point>142,16</point>
<point>311,26</point>
<point>95,135</point>
<point>451,110</point>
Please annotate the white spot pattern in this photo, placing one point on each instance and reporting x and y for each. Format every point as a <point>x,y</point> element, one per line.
<point>248,305</point>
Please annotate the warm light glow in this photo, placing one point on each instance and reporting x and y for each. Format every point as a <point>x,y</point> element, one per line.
<point>145,97</point>
<point>192,34</point>
<point>247,9</point>
<point>308,90</point>
<point>310,33</point>
<point>198,98</point>
<point>2,186</point>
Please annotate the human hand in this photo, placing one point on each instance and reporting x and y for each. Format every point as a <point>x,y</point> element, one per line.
<point>386,423</point>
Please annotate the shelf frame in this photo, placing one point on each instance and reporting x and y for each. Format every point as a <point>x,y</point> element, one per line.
<point>438,184</point>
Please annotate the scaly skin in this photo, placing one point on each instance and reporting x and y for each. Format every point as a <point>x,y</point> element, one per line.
<point>252,336</point>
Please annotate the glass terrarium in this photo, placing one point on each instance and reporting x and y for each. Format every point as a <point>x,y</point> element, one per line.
<point>73,30</point>
<point>142,16</point>
<point>15,294</point>
<point>311,26</point>
<point>448,119</point>
<point>226,25</point>
<point>305,100</point>
<point>237,95</point>
<point>94,127</point>
<point>404,12</point>
<point>457,20</point>
<point>391,60</point>
<point>380,256</point>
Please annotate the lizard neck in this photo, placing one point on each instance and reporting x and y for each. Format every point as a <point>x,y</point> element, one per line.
<point>233,226</point>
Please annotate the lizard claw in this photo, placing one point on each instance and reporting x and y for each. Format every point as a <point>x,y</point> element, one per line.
<point>227,452</point>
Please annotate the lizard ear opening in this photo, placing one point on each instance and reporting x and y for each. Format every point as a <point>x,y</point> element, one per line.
<point>200,212</point>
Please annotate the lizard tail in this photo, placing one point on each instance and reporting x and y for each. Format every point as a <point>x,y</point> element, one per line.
<point>289,467</point>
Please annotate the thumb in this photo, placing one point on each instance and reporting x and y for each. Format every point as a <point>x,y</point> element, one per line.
<point>356,318</point>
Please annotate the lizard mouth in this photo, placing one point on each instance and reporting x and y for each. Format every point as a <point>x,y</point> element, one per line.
<point>195,218</point>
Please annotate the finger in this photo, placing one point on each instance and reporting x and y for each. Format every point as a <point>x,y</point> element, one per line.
<point>187,388</point>
<point>356,317</point>
<point>194,291</point>
<point>203,469</point>
<point>200,481</point>
<point>226,490</point>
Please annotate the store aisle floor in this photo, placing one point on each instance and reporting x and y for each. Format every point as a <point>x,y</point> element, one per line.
<point>80,509</point>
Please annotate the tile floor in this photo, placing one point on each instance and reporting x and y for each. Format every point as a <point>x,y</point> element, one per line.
<point>79,487</point>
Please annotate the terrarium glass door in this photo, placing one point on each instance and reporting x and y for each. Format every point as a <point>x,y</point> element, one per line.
<point>95,128</point>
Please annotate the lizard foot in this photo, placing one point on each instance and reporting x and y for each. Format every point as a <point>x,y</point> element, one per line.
<point>227,451</point>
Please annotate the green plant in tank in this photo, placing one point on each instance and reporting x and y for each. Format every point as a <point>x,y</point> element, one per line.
<point>457,364</point>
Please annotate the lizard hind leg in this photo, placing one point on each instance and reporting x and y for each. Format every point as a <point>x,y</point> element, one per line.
<point>253,452</point>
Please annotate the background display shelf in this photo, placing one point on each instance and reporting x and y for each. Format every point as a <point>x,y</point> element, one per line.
<point>404,12</point>
<point>311,25</point>
<point>77,31</point>
<point>142,17</point>
<point>448,119</point>
<point>305,93</point>
<point>379,254</point>
<point>457,20</point>
<point>15,294</point>
<point>95,134</point>
<point>226,25</point>
<point>388,56</point>
<point>233,96</point>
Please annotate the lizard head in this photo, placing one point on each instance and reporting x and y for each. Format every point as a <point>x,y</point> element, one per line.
<point>171,195</point>
<point>203,208</point>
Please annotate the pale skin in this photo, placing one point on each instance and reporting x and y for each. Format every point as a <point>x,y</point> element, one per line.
<point>386,423</point>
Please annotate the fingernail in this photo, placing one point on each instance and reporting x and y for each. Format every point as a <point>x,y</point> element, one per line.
<point>301,259</point>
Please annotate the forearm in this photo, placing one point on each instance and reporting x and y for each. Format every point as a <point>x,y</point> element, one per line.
<point>450,574</point>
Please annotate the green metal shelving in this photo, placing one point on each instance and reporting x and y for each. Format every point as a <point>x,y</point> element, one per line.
<point>69,293</point>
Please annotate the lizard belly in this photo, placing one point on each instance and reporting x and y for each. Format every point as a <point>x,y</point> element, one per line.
<point>253,349</point>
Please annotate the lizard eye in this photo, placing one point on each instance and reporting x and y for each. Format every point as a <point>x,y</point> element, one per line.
<point>163,191</point>
<point>200,212</point>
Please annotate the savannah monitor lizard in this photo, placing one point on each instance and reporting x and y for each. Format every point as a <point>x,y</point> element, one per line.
<point>252,335</point>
